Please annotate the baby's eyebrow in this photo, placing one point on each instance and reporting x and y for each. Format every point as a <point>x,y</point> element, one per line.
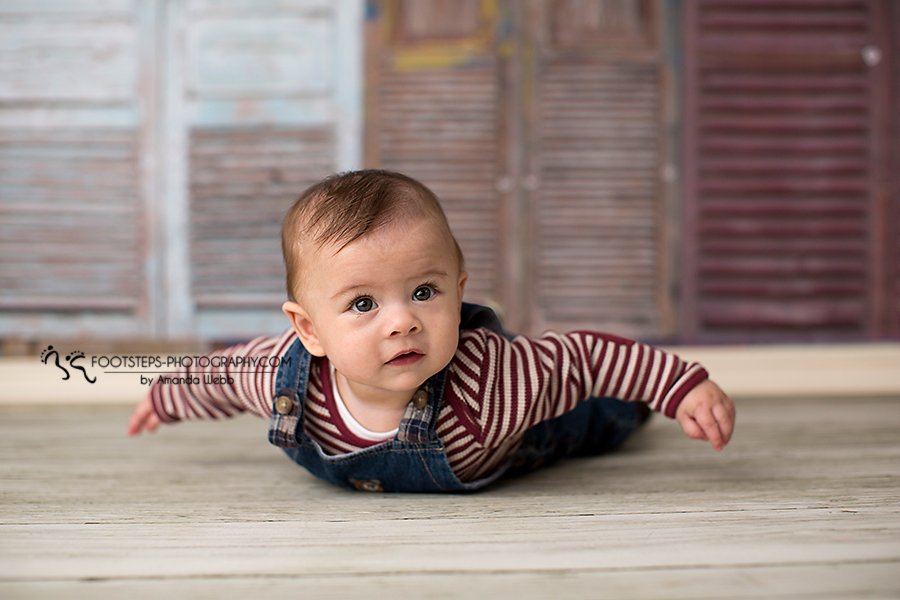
<point>350,288</point>
<point>346,290</point>
<point>431,273</point>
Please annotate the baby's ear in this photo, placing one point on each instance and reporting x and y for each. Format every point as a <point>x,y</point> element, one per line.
<point>463,276</point>
<point>304,327</point>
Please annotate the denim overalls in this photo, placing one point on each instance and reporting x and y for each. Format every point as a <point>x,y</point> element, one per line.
<point>415,461</point>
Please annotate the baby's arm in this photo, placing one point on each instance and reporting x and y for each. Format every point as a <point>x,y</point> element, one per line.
<point>524,381</point>
<point>707,413</point>
<point>521,382</point>
<point>237,379</point>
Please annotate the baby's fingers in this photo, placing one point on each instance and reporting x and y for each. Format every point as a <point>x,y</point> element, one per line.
<point>691,429</point>
<point>724,416</point>
<point>151,423</point>
<point>707,422</point>
<point>143,418</point>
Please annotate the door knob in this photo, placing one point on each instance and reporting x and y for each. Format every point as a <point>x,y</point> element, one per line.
<point>871,55</point>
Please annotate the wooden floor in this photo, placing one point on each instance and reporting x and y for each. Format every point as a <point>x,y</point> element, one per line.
<point>805,503</point>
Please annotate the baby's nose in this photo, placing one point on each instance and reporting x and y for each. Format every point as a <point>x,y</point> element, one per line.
<point>404,322</point>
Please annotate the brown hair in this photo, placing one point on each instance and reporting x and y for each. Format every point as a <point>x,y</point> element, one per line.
<point>344,207</point>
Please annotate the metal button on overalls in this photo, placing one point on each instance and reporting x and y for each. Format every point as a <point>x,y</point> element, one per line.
<point>420,399</point>
<point>284,405</point>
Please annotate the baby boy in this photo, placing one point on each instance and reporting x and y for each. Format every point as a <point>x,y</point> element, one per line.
<point>388,381</point>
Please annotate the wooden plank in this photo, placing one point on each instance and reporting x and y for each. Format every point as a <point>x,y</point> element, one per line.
<point>780,583</point>
<point>800,504</point>
<point>261,55</point>
<point>43,60</point>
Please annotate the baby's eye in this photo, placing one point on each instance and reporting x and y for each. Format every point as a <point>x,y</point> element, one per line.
<point>423,293</point>
<point>362,305</point>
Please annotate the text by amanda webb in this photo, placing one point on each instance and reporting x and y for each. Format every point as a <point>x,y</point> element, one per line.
<point>148,366</point>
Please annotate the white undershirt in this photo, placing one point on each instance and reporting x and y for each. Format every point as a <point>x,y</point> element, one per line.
<point>352,424</point>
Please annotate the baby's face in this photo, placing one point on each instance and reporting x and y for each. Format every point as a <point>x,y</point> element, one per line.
<point>385,309</point>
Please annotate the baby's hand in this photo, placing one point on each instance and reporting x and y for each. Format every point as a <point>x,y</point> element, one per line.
<point>143,418</point>
<point>706,413</point>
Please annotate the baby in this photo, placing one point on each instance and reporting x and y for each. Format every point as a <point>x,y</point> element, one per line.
<point>388,381</point>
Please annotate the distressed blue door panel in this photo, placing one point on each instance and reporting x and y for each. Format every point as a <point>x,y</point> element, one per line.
<point>73,229</point>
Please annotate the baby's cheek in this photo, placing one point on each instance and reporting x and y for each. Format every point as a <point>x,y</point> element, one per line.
<point>448,342</point>
<point>358,354</point>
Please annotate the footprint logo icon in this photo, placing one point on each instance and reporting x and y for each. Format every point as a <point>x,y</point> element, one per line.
<point>78,355</point>
<point>45,356</point>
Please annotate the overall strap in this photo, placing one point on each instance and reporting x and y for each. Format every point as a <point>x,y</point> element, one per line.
<point>290,386</point>
<point>417,426</point>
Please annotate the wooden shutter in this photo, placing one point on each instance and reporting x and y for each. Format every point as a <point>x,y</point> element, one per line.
<point>70,216</point>
<point>269,103</point>
<point>242,180</point>
<point>538,126</point>
<point>433,111</point>
<point>596,153</point>
<point>783,142</point>
<point>891,41</point>
<point>74,238</point>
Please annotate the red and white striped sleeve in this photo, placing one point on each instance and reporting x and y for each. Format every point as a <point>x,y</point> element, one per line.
<point>223,383</point>
<point>504,387</point>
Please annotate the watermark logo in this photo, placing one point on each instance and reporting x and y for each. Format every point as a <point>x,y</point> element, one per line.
<point>71,358</point>
<point>208,369</point>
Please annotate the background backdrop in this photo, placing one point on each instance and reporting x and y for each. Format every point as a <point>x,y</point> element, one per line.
<point>699,170</point>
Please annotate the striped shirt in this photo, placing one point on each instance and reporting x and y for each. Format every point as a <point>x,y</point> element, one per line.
<point>496,389</point>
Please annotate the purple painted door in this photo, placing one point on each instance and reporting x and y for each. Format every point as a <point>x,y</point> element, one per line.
<point>790,196</point>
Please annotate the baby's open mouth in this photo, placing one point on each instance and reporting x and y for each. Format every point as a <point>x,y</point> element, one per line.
<point>405,358</point>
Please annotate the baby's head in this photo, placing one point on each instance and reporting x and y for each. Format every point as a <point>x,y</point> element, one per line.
<point>342,208</point>
<point>375,280</point>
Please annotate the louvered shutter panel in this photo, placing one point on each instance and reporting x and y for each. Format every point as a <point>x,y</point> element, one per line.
<point>891,41</point>
<point>779,158</point>
<point>267,107</point>
<point>242,180</point>
<point>73,227</point>
<point>433,113</point>
<point>70,238</point>
<point>596,146</point>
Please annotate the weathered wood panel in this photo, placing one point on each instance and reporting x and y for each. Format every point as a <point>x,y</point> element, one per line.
<point>597,149</point>
<point>441,128</point>
<point>84,56</point>
<point>74,231</point>
<point>139,136</point>
<point>434,109</point>
<point>262,55</point>
<point>782,153</point>
<point>538,125</point>
<point>890,39</point>
<point>70,233</point>
<point>596,213</point>
<point>242,183</point>
<point>269,103</point>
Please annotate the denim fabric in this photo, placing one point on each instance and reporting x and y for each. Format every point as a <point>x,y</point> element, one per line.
<point>595,426</point>
<point>415,461</point>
